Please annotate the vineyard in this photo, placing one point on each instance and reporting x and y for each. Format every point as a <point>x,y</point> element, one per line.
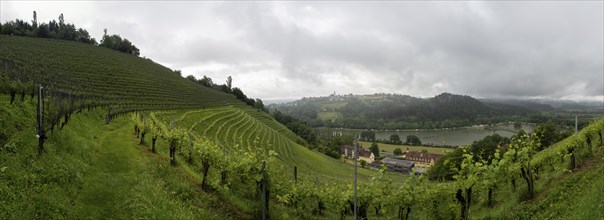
<point>205,154</point>
<point>76,76</point>
<point>233,129</point>
<point>516,174</point>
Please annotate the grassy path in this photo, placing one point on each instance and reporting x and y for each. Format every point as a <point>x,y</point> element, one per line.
<point>112,173</point>
<point>126,181</point>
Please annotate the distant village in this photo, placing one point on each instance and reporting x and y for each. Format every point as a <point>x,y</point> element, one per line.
<point>409,161</point>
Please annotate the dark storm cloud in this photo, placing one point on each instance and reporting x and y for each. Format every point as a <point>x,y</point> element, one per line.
<point>294,49</point>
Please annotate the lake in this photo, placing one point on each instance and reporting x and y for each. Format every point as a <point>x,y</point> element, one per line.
<point>451,136</point>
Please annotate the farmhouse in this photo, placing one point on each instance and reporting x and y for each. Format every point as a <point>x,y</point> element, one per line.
<point>422,159</point>
<point>398,166</point>
<point>348,151</point>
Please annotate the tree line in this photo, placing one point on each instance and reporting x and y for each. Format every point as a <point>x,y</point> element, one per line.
<point>227,88</point>
<point>65,31</point>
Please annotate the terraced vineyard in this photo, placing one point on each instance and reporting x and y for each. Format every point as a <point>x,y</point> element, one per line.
<point>243,127</point>
<point>77,76</point>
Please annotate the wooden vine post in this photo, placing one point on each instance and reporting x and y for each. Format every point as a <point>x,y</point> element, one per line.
<point>40,120</point>
<point>107,117</point>
<point>172,144</point>
<point>265,192</point>
<point>295,174</point>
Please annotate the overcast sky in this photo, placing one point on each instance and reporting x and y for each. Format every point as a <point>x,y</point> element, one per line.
<point>276,50</point>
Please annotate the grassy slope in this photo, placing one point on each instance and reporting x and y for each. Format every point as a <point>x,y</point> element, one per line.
<point>94,170</point>
<point>140,80</point>
<point>576,195</point>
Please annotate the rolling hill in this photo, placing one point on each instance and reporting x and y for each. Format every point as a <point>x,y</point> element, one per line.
<point>391,111</point>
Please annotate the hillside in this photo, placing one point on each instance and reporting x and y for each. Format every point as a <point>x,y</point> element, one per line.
<point>82,84</point>
<point>79,76</point>
<point>391,111</point>
<point>225,152</point>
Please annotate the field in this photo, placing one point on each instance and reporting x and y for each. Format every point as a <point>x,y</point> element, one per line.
<point>390,148</point>
<point>328,116</point>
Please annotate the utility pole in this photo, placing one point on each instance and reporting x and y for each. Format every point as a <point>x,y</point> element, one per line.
<point>576,125</point>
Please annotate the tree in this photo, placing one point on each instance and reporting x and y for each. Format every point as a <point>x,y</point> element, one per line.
<point>259,105</point>
<point>229,82</point>
<point>117,43</point>
<point>375,149</point>
<point>192,78</point>
<point>239,94</point>
<point>484,149</point>
<point>413,140</point>
<point>398,151</point>
<point>363,163</point>
<point>34,22</point>
<point>206,81</point>
<point>61,21</point>
<point>43,31</point>
<point>550,134</point>
<point>368,136</point>
<point>517,125</point>
<point>395,139</point>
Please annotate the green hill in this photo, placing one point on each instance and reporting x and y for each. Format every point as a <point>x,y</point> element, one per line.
<point>81,80</point>
<point>393,111</point>
<point>91,169</point>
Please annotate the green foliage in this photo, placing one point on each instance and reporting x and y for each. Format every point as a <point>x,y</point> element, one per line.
<point>368,136</point>
<point>117,43</point>
<point>549,133</point>
<point>397,151</point>
<point>521,151</point>
<point>375,149</point>
<point>395,139</point>
<point>61,30</point>
<point>413,140</point>
<point>445,168</point>
<point>483,150</point>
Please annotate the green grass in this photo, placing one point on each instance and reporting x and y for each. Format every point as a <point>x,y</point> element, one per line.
<point>93,170</point>
<point>329,116</point>
<point>332,105</point>
<point>390,148</point>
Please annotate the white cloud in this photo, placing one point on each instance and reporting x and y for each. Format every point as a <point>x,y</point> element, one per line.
<point>295,49</point>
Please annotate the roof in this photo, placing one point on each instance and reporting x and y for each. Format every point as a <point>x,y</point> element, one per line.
<point>364,153</point>
<point>398,162</point>
<point>425,156</point>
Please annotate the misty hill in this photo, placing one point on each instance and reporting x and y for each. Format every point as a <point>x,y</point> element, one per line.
<point>549,105</point>
<point>528,104</point>
<point>393,111</point>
